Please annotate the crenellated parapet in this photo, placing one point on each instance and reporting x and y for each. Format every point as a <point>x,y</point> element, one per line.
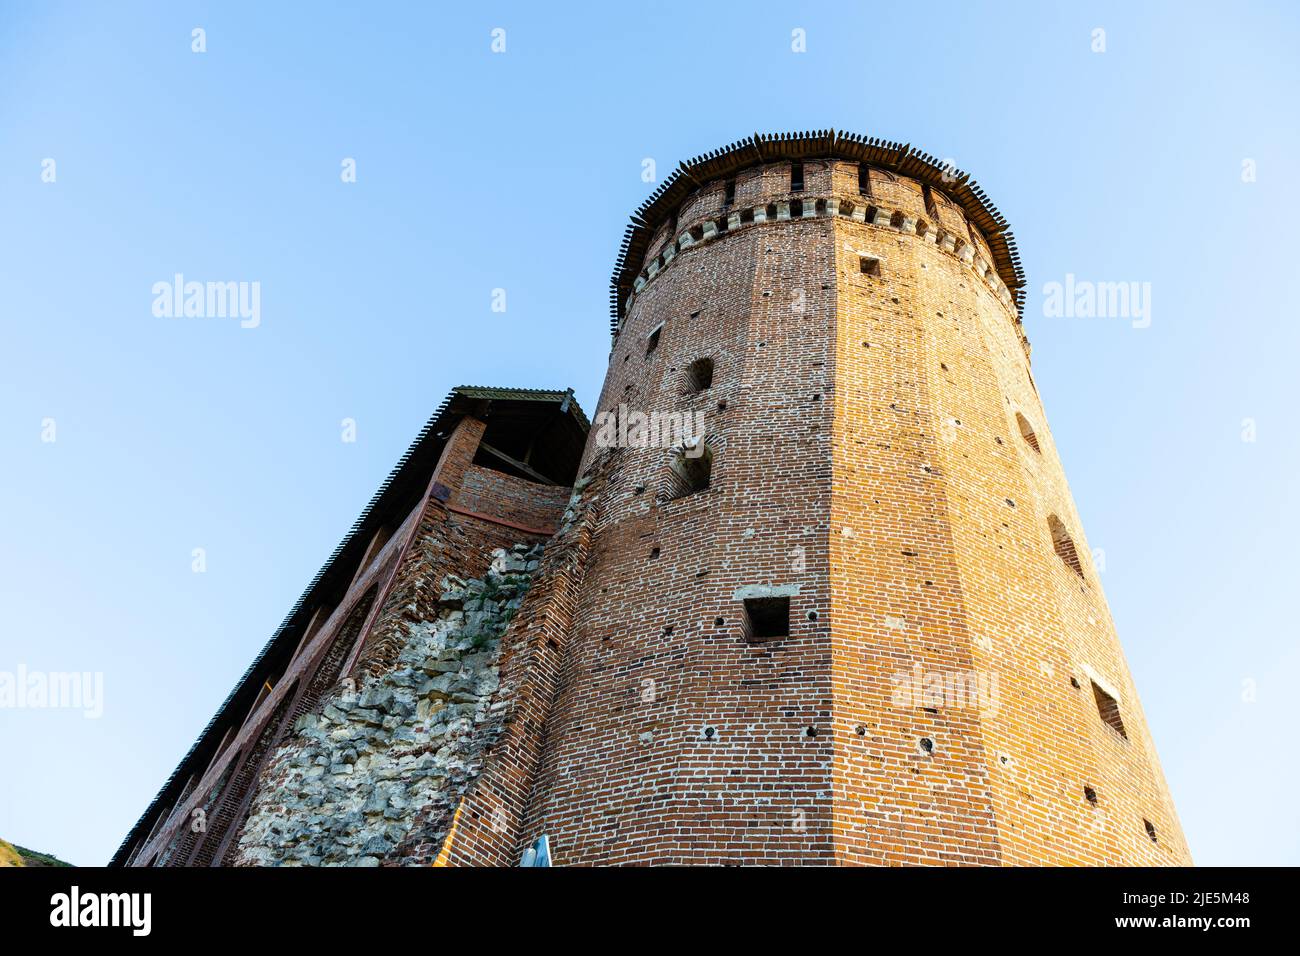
<point>929,219</point>
<point>750,182</point>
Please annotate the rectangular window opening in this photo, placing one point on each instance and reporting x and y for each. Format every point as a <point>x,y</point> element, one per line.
<point>652,342</point>
<point>1108,707</point>
<point>768,618</point>
<point>864,179</point>
<point>796,177</point>
<point>928,195</point>
<point>729,194</point>
<point>869,266</point>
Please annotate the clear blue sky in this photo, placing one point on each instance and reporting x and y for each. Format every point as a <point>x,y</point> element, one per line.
<point>478,171</point>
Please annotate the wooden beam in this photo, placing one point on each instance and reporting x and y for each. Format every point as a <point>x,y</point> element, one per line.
<point>526,469</point>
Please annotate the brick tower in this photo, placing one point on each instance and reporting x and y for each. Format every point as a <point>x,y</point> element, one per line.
<point>849,617</point>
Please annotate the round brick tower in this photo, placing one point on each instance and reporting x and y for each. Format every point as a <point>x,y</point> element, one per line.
<point>858,620</point>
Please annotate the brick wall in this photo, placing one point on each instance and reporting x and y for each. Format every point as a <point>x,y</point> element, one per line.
<point>867,459</point>
<point>499,495</point>
<point>950,688</point>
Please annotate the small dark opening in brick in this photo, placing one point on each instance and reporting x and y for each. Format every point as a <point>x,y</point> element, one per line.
<point>811,731</point>
<point>652,342</point>
<point>700,375</point>
<point>1090,795</point>
<point>864,179</point>
<point>1027,433</point>
<point>928,196</point>
<point>690,471</point>
<point>796,177</point>
<point>1063,544</point>
<point>654,552</point>
<point>927,745</point>
<point>869,266</point>
<point>769,618</point>
<point>718,622</point>
<point>1151,830</point>
<point>729,193</point>
<point>1108,707</point>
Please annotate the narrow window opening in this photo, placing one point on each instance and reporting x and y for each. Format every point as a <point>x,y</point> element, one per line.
<point>928,194</point>
<point>869,266</point>
<point>1090,795</point>
<point>1063,545</point>
<point>1027,433</point>
<point>729,193</point>
<point>1151,830</point>
<point>864,179</point>
<point>1108,707</point>
<point>796,177</point>
<point>700,375</point>
<point>796,209</point>
<point>652,341</point>
<point>767,619</point>
<point>690,471</point>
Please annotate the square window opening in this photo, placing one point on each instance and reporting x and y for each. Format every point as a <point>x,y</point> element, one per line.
<point>768,619</point>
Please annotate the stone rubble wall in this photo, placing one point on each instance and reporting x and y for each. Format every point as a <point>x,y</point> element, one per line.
<point>490,825</point>
<point>406,743</point>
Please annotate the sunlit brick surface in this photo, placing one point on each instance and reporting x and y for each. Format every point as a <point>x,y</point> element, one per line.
<point>869,455</point>
<point>949,689</point>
